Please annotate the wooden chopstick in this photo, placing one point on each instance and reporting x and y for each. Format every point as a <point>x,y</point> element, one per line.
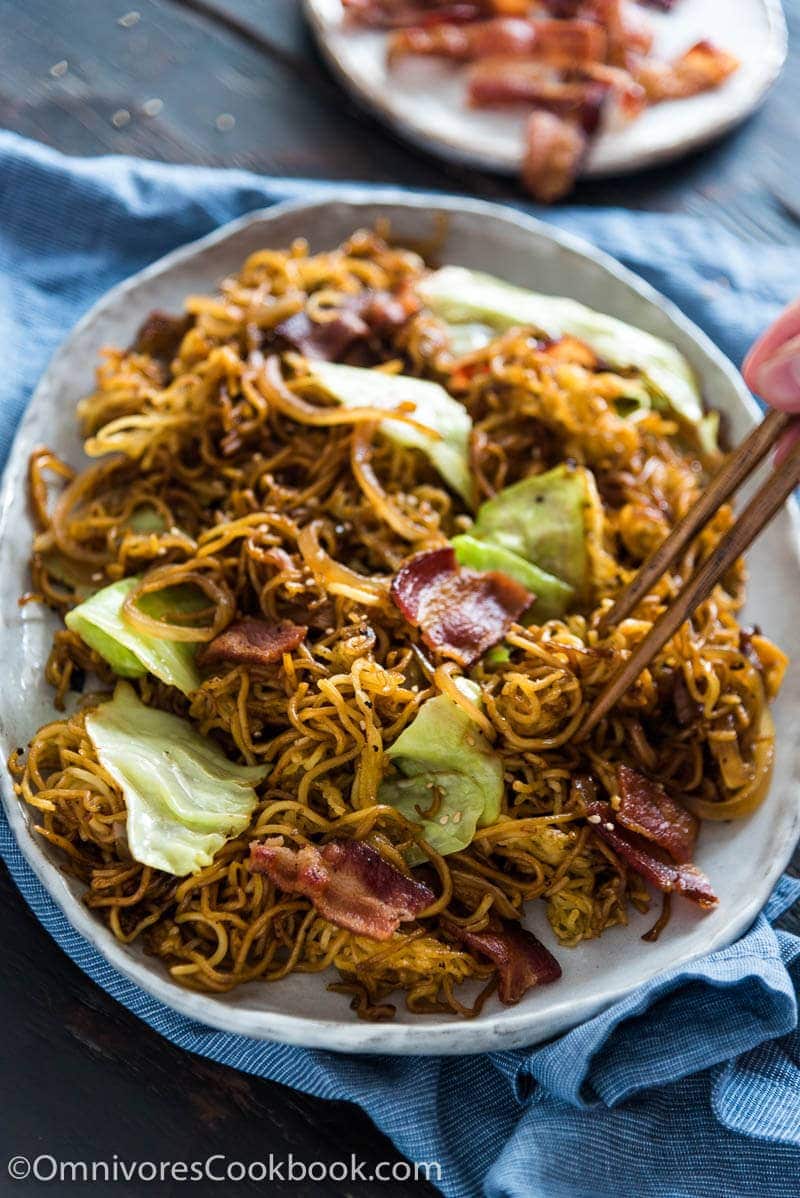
<point>740,466</point>
<point>764,505</point>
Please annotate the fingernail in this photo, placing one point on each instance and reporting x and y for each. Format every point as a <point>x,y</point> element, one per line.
<point>778,379</point>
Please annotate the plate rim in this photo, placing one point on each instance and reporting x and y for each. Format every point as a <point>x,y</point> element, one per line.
<point>507,1028</point>
<point>371,99</point>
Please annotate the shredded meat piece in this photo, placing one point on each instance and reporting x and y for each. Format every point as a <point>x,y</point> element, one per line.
<point>686,709</point>
<point>681,879</point>
<point>647,809</point>
<point>251,642</point>
<point>460,612</point>
<point>700,69</point>
<point>348,882</point>
<point>161,334</point>
<point>554,150</point>
<point>565,44</point>
<point>355,319</point>
<point>747,647</point>
<point>326,340</point>
<point>522,961</point>
<point>583,788</point>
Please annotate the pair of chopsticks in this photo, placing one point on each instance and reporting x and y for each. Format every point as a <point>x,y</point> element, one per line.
<point>765,504</point>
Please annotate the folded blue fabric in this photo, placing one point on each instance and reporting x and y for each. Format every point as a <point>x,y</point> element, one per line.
<point>690,1086</point>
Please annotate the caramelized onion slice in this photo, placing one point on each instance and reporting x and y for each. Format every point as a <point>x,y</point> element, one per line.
<point>333,576</point>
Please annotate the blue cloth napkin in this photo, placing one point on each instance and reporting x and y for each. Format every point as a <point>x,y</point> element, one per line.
<point>689,1087</point>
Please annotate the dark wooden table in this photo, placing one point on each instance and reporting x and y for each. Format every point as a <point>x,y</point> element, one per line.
<point>237,83</point>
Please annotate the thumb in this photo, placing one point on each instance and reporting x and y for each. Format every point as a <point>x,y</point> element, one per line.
<point>772,368</point>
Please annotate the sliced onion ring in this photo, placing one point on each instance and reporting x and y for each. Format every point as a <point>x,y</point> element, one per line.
<point>273,386</point>
<point>361,462</point>
<point>221,601</point>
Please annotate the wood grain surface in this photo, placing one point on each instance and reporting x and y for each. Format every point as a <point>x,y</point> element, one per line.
<point>238,83</point>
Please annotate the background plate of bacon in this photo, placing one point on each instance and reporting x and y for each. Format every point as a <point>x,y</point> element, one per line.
<point>554,89</point>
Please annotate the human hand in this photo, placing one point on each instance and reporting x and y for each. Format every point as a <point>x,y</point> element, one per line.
<point>772,369</point>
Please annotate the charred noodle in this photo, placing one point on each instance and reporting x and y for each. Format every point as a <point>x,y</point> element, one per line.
<point>222,466</point>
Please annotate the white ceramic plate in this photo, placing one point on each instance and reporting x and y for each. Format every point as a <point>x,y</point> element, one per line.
<point>425,99</point>
<point>742,859</point>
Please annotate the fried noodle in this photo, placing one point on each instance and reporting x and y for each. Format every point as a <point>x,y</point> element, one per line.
<point>268,501</point>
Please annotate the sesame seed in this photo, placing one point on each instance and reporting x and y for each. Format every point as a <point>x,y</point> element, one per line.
<point>59,68</point>
<point>152,107</point>
<point>444,819</point>
<point>470,741</point>
<point>120,118</point>
<point>225,121</point>
<point>609,826</point>
<point>593,819</point>
<point>457,817</point>
<point>129,20</point>
<point>429,785</point>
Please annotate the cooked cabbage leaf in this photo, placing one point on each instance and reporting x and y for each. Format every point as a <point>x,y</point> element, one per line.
<point>552,594</point>
<point>99,622</point>
<point>449,769</point>
<point>184,798</point>
<point>543,520</point>
<point>449,452</point>
<point>467,297</point>
<point>147,519</point>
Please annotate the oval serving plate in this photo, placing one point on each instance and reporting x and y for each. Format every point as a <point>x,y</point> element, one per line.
<point>743,859</point>
<point>425,101</point>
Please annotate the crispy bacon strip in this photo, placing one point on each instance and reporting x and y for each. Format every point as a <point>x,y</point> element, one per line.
<point>356,318</point>
<point>396,14</point>
<point>554,150</point>
<point>565,44</point>
<point>522,961</point>
<point>460,612</point>
<point>581,95</point>
<point>700,69</point>
<point>499,82</point>
<point>564,10</point>
<point>630,96</point>
<point>627,32</point>
<point>251,642</point>
<point>681,879</point>
<point>646,809</point>
<point>348,882</point>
